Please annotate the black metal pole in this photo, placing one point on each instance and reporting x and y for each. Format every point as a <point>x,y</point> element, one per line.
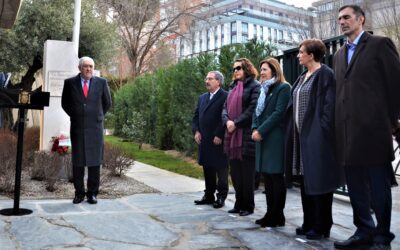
<point>17,189</point>
<point>20,148</point>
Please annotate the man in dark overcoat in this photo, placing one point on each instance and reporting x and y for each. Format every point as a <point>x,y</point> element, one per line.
<point>208,133</point>
<point>367,70</point>
<point>86,99</point>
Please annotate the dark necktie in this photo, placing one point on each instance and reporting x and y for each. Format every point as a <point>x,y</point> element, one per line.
<point>208,98</point>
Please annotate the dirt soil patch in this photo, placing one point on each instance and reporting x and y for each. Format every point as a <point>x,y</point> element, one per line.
<point>114,187</point>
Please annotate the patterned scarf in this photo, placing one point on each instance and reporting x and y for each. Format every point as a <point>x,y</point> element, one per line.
<point>233,141</point>
<point>263,93</point>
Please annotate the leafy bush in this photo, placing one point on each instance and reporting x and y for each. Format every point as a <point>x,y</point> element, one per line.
<point>134,128</point>
<point>8,152</point>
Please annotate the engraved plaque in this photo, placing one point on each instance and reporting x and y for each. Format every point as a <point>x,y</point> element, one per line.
<point>56,81</point>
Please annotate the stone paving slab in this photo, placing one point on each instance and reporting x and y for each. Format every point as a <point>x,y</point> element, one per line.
<point>167,220</point>
<point>163,221</point>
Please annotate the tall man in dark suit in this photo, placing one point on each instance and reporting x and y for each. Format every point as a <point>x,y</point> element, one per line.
<point>208,133</point>
<point>86,99</point>
<point>367,70</point>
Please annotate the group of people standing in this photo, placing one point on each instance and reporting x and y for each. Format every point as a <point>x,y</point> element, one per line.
<point>330,128</point>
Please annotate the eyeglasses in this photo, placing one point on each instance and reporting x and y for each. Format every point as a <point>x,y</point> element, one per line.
<point>209,78</point>
<point>237,68</point>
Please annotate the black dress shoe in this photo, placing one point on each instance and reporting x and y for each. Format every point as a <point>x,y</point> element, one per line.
<point>78,199</point>
<point>353,242</point>
<point>92,199</point>
<point>262,220</point>
<point>219,203</point>
<point>315,235</point>
<point>280,222</point>
<point>301,231</point>
<point>381,246</point>
<point>234,211</point>
<point>204,201</point>
<point>245,213</point>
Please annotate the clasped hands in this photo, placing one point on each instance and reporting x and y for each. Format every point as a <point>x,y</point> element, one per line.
<point>197,138</point>
<point>256,136</point>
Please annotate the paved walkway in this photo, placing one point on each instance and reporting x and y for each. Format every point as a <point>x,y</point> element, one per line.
<point>168,220</point>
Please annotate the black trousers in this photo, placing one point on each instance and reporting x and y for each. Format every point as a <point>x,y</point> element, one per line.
<point>369,187</point>
<point>216,178</point>
<point>317,210</point>
<point>275,193</point>
<point>243,174</point>
<point>93,181</point>
<point>257,180</point>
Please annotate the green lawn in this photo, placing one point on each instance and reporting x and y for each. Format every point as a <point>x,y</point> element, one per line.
<point>157,158</point>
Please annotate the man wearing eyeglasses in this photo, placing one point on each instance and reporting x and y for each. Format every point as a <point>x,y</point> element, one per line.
<point>208,133</point>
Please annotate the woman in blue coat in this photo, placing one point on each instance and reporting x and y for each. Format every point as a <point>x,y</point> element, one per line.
<point>311,140</point>
<point>268,133</point>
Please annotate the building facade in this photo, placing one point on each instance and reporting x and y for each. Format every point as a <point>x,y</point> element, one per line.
<point>227,22</point>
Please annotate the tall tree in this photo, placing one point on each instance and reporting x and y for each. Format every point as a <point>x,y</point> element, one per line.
<point>40,20</point>
<point>388,20</point>
<point>145,26</point>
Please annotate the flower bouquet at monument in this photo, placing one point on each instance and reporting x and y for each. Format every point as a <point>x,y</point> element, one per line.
<point>60,144</point>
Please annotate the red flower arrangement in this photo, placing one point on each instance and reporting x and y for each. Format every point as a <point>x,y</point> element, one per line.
<point>58,147</point>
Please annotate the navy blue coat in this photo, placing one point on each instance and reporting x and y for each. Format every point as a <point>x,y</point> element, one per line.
<point>87,118</point>
<point>207,120</point>
<point>322,173</point>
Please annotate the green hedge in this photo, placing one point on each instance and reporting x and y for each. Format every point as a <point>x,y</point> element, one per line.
<point>166,99</point>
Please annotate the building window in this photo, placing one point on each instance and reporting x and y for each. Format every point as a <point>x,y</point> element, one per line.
<point>262,33</point>
<point>280,37</point>
<point>233,27</point>
<point>193,43</point>
<point>251,6</point>
<point>269,34</point>
<point>245,38</point>
<point>233,39</point>
<point>255,31</point>
<point>216,38</point>
<point>182,49</point>
<point>208,39</point>
<point>245,28</point>
<point>222,35</point>
<point>275,36</point>
<point>201,42</point>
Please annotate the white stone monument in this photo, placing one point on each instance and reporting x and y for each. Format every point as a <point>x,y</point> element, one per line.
<point>60,62</point>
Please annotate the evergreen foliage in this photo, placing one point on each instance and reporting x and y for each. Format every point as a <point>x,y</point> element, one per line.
<point>167,98</point>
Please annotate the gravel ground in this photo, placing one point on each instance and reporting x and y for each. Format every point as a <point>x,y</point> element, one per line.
<point>113,187</point>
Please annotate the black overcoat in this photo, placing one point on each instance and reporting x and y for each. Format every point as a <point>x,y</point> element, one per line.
<point>368,101</point>
<point>251,91</point>
<point>322,174</point>
<point>207,120</point>
<point>87,119</point>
